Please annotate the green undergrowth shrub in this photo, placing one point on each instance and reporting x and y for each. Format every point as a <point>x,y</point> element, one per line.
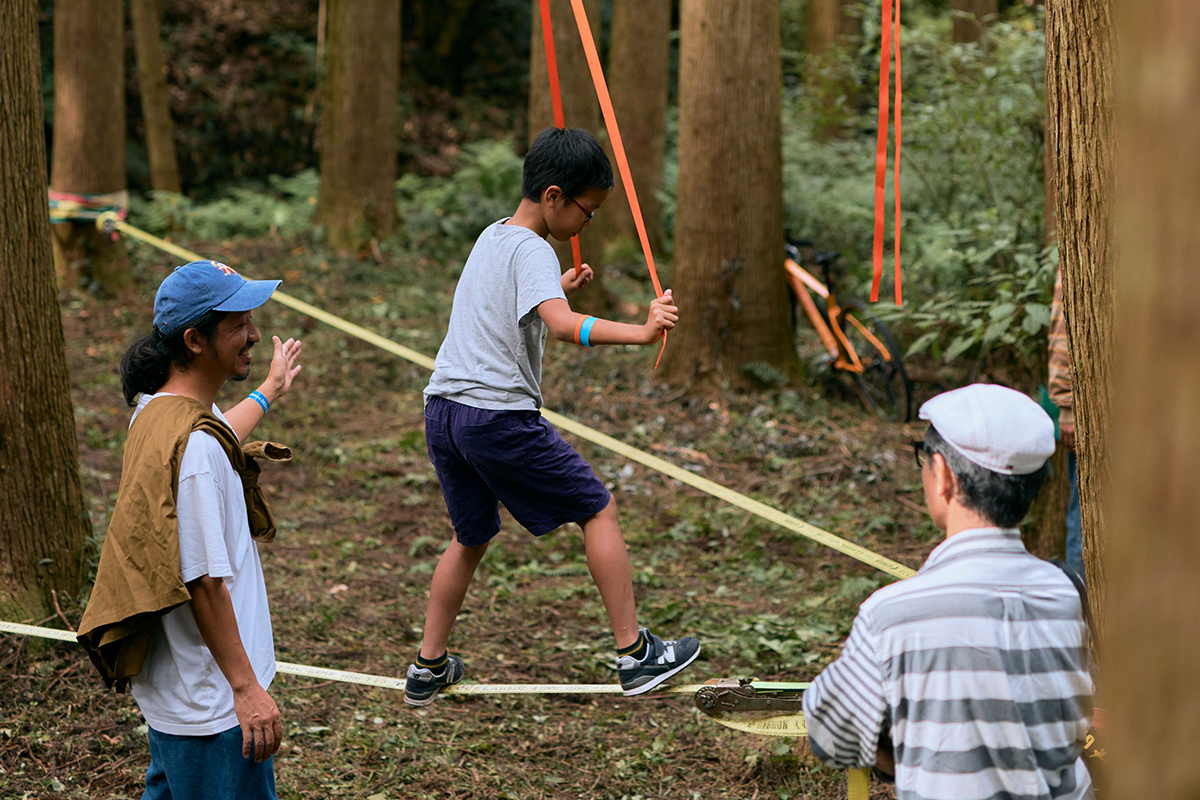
<point>443,216</point>
<point>284,207</point>
<point>977,280</point>
<point>440,216</point>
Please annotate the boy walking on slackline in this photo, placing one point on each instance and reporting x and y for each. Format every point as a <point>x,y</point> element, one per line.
<point>179,609</point>
<point>485,436</point>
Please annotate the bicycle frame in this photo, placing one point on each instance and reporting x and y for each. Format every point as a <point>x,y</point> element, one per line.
<point>836,344</point>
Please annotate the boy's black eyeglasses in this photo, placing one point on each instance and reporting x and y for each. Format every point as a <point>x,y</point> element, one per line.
<point>919,452</point>
<point>587,215</point>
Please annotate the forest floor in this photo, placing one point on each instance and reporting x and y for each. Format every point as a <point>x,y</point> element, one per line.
<point>362,522</point>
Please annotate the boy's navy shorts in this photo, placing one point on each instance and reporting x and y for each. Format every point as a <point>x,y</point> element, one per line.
<point>485,457</point>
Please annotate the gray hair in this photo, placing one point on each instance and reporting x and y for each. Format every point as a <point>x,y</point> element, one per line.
<point>1004,500</point>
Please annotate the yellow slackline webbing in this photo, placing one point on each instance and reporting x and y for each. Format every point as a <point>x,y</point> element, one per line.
<point>579,429</point>
<point>791,725</point>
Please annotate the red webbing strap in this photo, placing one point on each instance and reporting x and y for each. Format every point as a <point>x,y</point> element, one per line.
<point>614,135</point>
<point>556,102</point>
<point>890,8</point>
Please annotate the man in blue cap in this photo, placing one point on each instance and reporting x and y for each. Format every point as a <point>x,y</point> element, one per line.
<point>179,610</point>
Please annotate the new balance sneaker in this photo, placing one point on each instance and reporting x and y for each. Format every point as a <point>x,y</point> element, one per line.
<point>662,660</point>
<point>422,685</point>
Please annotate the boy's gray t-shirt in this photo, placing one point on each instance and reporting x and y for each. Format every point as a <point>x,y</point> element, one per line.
<point>492,354</point>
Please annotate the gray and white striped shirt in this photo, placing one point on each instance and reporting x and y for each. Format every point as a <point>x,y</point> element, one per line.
<point>978,667</point>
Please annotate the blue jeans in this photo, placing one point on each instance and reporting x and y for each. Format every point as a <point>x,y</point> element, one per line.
<point>206,768</point>
<point>1074,523</point>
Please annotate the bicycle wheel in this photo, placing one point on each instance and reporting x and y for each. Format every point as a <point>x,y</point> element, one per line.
<point>883,384</point>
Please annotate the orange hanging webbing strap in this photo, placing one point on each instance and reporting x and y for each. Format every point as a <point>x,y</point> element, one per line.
<point>556,103</point>
<point>614,135</point>
<point>891,8</point>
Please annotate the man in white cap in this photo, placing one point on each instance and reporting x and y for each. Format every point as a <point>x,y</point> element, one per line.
<point>969,680</point>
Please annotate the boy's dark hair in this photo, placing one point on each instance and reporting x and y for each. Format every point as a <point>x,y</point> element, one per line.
<point>569,158</point>
<point>1002,499</point>
<point>147,363</point>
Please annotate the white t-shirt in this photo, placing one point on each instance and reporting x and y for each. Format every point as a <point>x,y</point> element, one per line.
<point>180,689</point>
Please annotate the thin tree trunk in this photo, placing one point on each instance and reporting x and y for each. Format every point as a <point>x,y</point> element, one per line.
<point>1154,616</point>
<point>42,518</point>
<point>581,109</point>
<point>971,19</point>
<point>358,142</point>
<point>638,67</point>
<point>1079,52</point>
<point>832,28</point>
<point>728,261</point>
<point>89,134</point>
<point>156,105</point>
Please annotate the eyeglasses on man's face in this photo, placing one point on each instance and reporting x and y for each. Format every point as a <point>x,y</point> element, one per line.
<point>920,453</point>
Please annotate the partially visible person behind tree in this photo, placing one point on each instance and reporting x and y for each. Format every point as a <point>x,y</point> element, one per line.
<point>179,609</point>
<point>1060,394</point>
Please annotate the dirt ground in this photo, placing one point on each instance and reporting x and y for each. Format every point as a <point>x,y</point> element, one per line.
<point>362,523</point>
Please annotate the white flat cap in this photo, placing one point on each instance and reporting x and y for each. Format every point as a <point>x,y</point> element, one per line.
<point>995,427</point>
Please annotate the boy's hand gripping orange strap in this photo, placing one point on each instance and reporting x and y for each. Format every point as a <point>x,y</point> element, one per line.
<point>890,8</point>
<point>614,135</point>
<point>556,103</point>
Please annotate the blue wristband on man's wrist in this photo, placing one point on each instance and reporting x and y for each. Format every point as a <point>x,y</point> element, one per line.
<point>261,399</point>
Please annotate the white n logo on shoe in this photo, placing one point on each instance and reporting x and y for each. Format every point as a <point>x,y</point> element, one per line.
<point>668,656</point>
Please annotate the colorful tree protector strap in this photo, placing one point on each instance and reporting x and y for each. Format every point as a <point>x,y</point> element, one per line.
<point>556,104</point>
<point>890,8</point>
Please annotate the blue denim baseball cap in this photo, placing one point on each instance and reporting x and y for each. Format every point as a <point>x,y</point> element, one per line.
<point>194,289</point>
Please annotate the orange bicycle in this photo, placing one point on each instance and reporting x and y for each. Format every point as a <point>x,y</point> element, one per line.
<point>855,342</point>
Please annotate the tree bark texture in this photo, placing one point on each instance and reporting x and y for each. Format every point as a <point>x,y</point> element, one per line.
<point>971,18</point>
<point>1048,538</point>
<point>1153,656</point>
<point>1079,61</point>
<point>728,262</point>
<point>828,21</point>
<point>42,518</point>
<point>581,109</point>
<point>638,66</point>
<point>156,106</point>
<point>358,140</point>
<point>89,134</point>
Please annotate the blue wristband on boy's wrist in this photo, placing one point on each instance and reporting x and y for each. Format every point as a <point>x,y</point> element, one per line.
<point>585,331</point>
<point>261,399</point>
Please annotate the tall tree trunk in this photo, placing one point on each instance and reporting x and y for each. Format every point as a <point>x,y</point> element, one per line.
<point>156,106</point>
<point>1154,650</point>
<point>581,109</point>
<point>358,140</point>
<point>833,28</point>
<point>728,262</point>
<point>89,134</point>
<point>1079,53</point>
<point>42,519</point>
<point>971,18</point>
<point>638,66</point>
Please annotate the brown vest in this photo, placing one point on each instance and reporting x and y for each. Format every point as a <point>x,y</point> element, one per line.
<point>139,578</point>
